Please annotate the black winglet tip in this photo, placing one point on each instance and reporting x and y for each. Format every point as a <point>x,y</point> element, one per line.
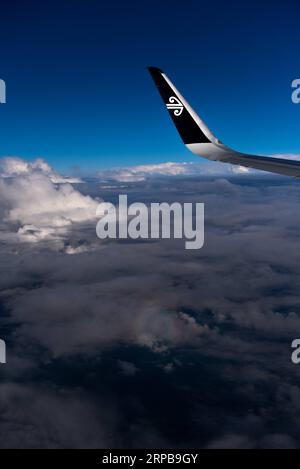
<point>155,70</point>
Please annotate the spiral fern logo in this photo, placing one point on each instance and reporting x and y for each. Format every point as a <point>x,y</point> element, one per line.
<point>175,105</point>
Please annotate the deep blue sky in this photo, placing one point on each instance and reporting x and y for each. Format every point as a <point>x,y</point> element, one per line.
<point>79,93</point>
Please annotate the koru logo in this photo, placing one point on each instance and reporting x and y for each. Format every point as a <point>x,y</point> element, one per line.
<point>175,105</point>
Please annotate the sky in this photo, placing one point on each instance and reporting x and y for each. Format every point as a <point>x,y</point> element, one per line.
<point>79,94</point>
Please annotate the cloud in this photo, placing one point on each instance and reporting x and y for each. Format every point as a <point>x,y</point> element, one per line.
<point>36,417</point>
<point>37,203</point>
<point>289,156</point>
<point>11,167</point>
<point>127,368</point>
<point>35,199</point>
<point>203,168</point>
<point>143,172</point>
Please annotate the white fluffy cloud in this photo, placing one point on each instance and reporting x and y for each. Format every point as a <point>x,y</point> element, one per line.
<point>13,167</point>
<point>202,168</point>
<point>142,172</point>
<point>39,202</point>
<point>289,156</point>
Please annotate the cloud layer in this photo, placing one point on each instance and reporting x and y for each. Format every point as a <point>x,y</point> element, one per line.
<point>147,344</point>
<point>143,172</point>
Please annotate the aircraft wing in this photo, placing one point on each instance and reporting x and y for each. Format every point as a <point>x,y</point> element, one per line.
<point>201,141</point>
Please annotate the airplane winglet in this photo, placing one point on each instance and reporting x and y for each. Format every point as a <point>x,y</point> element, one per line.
<point>189,125</point>
<point>201,141</point>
